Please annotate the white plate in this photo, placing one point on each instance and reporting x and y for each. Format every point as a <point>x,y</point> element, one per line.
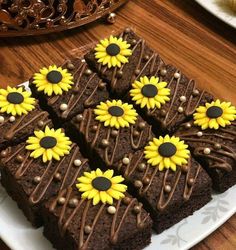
<point>18,234</point>
<point>217,9</point>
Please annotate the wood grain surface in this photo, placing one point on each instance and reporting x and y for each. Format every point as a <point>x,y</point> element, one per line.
<point>184,34</point>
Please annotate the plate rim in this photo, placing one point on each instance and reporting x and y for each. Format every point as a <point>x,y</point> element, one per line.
<point>206,6</point>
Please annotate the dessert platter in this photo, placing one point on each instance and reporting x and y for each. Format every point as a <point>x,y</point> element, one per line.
<point>114,150</point>
<point>223,9</point>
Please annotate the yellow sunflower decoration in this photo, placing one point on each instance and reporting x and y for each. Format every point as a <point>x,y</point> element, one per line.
<point>50,144</point>
<point>215,114</point>
<point>113,52</point>
<point>16,101</point>
<point>116,114</point>
<point>150,92</point>
<point>101,186</point>
<point>167,152</point>
<point>53,80</point>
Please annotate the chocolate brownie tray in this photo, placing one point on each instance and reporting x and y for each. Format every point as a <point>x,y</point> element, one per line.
<point>130,136</point>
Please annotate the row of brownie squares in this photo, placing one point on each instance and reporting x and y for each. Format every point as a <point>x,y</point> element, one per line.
<point>161,93</point>
<point>47,194</point>
<point>32,181</point>
<point>178,185</point>
<point>170,102</point>
<point>41,173</point>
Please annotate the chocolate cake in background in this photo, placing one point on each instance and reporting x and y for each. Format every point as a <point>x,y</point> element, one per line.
<point>78,88</point>
<point>31,17</point>
<point>20,115</point>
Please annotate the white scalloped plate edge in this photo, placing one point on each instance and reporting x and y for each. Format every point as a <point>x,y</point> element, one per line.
<point>213,7</point>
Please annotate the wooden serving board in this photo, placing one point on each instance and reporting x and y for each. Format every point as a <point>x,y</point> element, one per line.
<point>185,35</point>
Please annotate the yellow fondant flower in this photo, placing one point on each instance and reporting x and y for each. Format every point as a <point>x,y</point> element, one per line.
<point>16,101</point>
<point>167,152</point>
<point>101,186</point>
<point>116,114</point>
<point>215,114</point>
<point>113,52</point>
<point>53,80</point>
<point>50,144</point>
<point>150,92</point>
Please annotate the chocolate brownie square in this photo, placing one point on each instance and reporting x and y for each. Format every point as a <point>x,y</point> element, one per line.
<point>105,143</point>
<point>124,225</point>
<point>31,181</point>
<point>20,115</point>
<point>168,195</point>
<point>143,61</point>
<point>215,149</point>
<point>82,89</point>
<point>168,98</point>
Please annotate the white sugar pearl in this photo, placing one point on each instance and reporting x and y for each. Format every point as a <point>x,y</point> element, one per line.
<point>180,110</point>
<point>199,134</point>
<point>12,119</point>
<point>1,119</point>
<point>177,75</point>
<point>63,107</point>
<point>126,161</point>
<point>83,60</point>
<point>183,98</point>
<point>77,162</point>
<point>207,151</point>
<point>111,210</point>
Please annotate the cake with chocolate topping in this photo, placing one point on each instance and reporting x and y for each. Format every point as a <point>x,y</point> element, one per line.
<point>66,91</point>
<point>33,171</point>
<point>171,184</point>
<point>20,115</point>
<point>168,98</point>
<point>162,93</point>
<point>212,138</point>
<point>102,217</point>
<point>110,130</point>
<point>120,60</point>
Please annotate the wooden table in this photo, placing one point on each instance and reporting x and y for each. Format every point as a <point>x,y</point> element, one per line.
<point>184,34</point>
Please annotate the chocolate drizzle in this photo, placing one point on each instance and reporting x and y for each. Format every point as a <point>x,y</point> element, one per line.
<point>83,211</point>
<point>220,158</point>
<point>78,90</point>
<point>22,122</point>
<point>51,168</point>
<point>166,177</point>
<point>189,106</point>
<point>110,151</point>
